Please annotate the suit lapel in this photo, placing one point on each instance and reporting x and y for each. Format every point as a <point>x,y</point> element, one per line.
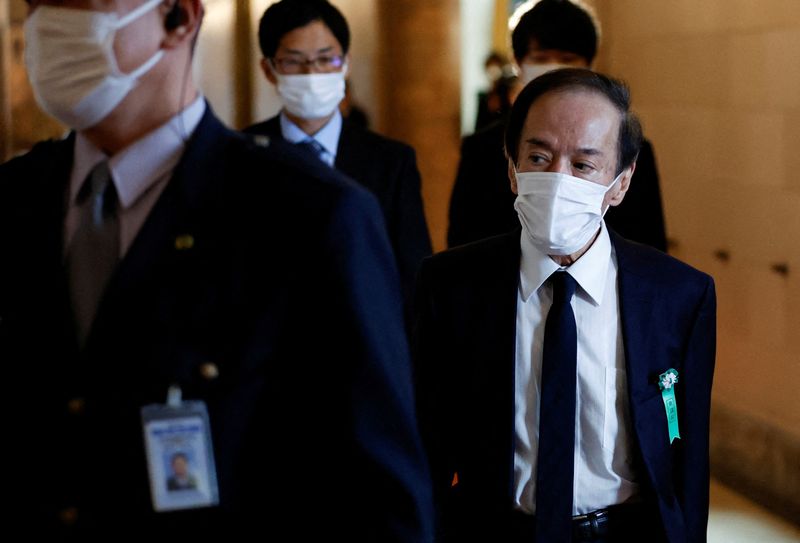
<point>644,358</point>
<point>169,233</point>
<point>271,127</point>
<point>348,159</point>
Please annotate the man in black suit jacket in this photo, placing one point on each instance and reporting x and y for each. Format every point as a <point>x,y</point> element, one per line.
<point>552,34</point>
<point>291,337</point>
<point>481,345</point>
<point>305,48</point>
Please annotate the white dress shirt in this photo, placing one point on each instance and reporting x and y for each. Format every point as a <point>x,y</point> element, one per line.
<point>327,136</point>
<point>139,172</point>
<point>604,473</point>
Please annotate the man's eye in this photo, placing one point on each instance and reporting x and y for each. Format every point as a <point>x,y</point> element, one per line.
<point>538,159</point>
<point>582,167</point>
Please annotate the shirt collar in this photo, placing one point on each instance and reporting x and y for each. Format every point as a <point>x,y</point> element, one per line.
<point>589,271</point>
<point>327,136</point>
<point>138,166</point>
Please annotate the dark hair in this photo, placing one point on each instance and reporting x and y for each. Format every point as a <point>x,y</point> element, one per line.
<point>630,129</point>
<point>284,16</point>
<point>179,454</point>
<point>556,24</point>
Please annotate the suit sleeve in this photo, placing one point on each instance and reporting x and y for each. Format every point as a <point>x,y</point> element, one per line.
<point>410,235</point>
<point>430,379</point>
<point>465,199</point>
<point>699,370</point>
<point>393,485</point>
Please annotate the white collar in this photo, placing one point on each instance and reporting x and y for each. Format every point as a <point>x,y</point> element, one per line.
<point>327,136</point>
<point>135,168</point>
<point>589,271</point>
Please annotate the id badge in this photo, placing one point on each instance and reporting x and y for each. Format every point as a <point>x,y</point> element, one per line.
<point>180,456</point>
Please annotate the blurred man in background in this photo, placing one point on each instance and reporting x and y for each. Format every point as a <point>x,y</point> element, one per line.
<point>553,34</point>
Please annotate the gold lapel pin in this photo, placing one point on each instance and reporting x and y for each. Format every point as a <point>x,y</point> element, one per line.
<point>209,371</point>
<point>184,242</point>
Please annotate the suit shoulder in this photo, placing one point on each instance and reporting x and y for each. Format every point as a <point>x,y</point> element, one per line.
<point>489,135</point>
<point>270,127</point>
<point>484,146</point>
<point>25,171</point>
<point>374,142</point>
<point>272,165</point>
<point>40,151</point>
<point>666,268</point>
<point>474,257</point>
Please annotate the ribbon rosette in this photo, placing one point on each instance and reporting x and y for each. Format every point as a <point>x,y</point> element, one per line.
<point>666,382</point>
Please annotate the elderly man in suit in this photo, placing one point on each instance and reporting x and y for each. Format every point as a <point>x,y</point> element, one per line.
<point>564,373</point>
<point>305,47</point>
<point>149,278</point>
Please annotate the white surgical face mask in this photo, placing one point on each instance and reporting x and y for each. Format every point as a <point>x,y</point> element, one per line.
<point>560,213</point>
<point>71,64</point>
<point>530,71</point>
<point>311,96</point>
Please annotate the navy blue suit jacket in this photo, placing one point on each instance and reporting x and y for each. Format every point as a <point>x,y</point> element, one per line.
<point>284,280</point>
<point>464,350</point>
<point>388,168</point>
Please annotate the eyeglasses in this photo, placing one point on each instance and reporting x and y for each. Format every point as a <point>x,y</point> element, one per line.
<point>293,65</point>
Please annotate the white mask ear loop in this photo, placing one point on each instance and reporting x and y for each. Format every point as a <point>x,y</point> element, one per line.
<point>611,186</point>
<point>127,19</point>
<point>144,68</point>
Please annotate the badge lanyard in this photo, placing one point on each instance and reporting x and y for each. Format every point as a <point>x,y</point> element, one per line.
<point>180,454</point>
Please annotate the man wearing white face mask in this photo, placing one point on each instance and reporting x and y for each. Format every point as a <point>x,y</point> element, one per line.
<point>551,34</point>
<point>153,301</point>
<point>305,47</point>
<point>542,355</point>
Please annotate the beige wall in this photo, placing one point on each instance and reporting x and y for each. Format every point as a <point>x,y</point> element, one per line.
<point>717,84</point>
<point>418,77</point>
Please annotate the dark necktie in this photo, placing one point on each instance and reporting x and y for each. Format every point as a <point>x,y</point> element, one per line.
<point>94,250</point>
<point>312,147</point>
<point>555,464</point>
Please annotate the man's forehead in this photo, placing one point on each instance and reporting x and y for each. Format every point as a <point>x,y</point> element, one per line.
<point>579,119</point>
<point>315,34</point>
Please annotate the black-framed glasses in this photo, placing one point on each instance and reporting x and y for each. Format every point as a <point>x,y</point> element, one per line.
<point>296,65</point>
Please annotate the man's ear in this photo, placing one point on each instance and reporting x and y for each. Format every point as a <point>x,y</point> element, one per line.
<point>624,183</point>
<point>182,22</point>
<point>267,68</point>
<point>512,175</point>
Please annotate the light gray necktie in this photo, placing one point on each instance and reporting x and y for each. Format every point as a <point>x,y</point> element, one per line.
<point>94,251</point>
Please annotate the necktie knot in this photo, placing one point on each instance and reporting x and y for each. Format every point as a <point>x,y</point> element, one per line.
<point>99,191</point>
<point>312,146</point>
<point>564,286</point>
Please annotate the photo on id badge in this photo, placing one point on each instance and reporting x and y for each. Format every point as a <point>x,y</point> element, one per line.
<point>180,477</point>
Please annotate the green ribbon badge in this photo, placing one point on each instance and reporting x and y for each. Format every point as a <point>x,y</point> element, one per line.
<point>666,382</point>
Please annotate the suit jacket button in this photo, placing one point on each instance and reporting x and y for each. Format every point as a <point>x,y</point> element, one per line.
<point>209,371</point>
<point>76,406</point>
<point>68,516</point>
